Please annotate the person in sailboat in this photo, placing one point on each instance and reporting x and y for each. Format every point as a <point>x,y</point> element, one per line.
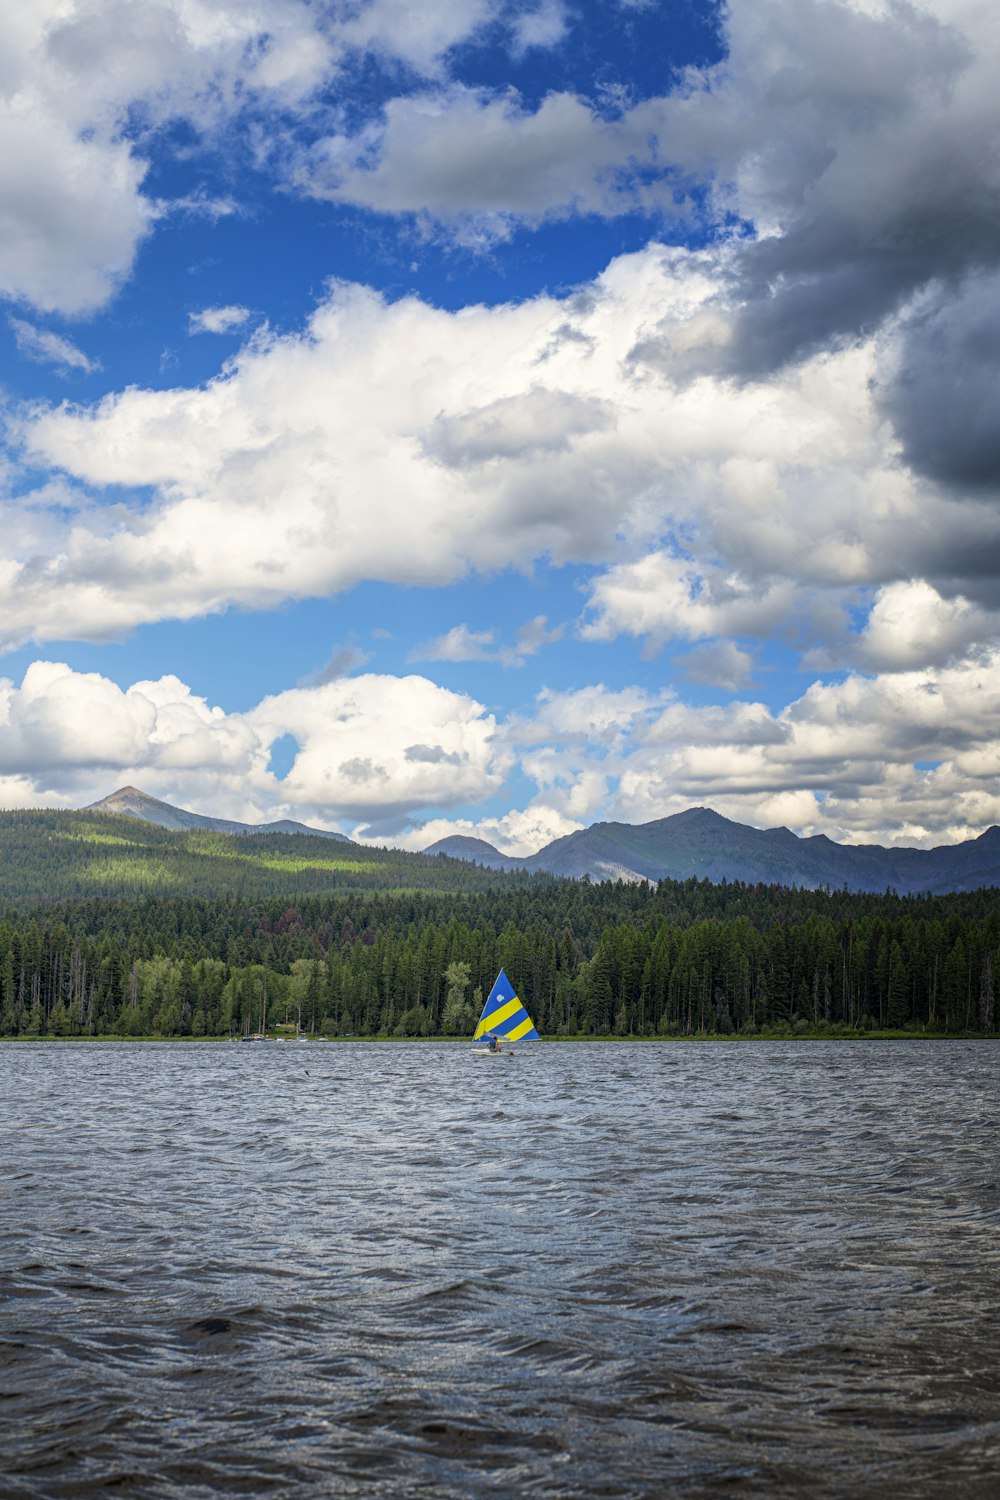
<point>502,1008</point>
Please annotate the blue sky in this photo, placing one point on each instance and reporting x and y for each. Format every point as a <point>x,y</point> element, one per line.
<point>496,417</point>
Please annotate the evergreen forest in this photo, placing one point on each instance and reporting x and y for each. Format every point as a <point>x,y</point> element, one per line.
<point>114,928</point>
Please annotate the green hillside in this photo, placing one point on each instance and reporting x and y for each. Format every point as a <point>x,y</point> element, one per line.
<point>50,856</point>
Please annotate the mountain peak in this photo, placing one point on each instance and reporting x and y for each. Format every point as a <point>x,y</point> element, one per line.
<point>696,815</point>
<point>476,851</point>
<point>124,794</point>
<point>130,802</point>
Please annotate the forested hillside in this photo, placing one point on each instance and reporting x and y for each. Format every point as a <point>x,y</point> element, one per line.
<point>47,856</point>
<point>681,958</point>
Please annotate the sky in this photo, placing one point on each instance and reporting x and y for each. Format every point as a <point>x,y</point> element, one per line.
<point>499,416</point>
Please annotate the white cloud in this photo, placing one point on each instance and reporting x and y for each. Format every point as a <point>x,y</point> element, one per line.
<point>218,319</point>
<point>594,717</point>
<point>458,644</point>
<point>85,84</point>
<point>846,759</point>
<point>375,753</point>
<point>864,123</point>
<point>71,73</point>
<point>532,636</point>
<point>470,157</point>
<point>369,747</point>
<point>850,747</point>
<point>851,136</point>
<point>860,141</point>
<point>410,444</point>
<point>48,348</point>
<point>378,747</point>
<point>462,644</point>
<point>61,724</point>
<point>911,625</point>
<point>55,251</point>
<point>520,832</point>
<point>664,596</point>
<point>418,35</point>
<point>545,26</point>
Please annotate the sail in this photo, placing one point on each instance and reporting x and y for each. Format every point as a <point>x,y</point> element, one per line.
<point>504,1015</point>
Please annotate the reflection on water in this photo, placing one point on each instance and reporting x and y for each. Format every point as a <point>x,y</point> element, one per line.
<point>594,1269</point>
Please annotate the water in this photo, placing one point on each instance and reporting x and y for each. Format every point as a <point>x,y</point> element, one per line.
<point>587,1270</point>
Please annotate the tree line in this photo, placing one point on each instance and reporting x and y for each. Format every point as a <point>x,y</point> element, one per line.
<point>680,958</point>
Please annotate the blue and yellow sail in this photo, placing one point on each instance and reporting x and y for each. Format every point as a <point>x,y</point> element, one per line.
<point>504,1015</point>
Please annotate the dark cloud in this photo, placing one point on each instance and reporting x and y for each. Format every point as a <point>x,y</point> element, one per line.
<point>865,150</point>
<point>944,394</point>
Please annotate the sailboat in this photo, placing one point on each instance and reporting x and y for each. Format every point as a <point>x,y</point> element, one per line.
<point>504,1018</point>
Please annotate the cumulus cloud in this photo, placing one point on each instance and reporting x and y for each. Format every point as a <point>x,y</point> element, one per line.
<point>910,625</point>
<point>55,252</point>
<point>48,348</point>
<point>857,143</point>
<point>381,754</point>
<point>419,36</point>
<point>368,747</point>
<point>410,444</point>
<point>62,727</point>
<point>849,135</point>
<point>862,142</point>
<point>852,748</point>
<point>519,832</point>
<point>847,758</point>
<point>595,717</point>
<point>378,747</point>
<point>470,157</point>
<point>663,596</point>
<point>71,76</point>
<point>776,436</point>
<point>539,421</point>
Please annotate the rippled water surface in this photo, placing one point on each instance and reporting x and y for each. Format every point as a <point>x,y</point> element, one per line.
<point>590,1269</point>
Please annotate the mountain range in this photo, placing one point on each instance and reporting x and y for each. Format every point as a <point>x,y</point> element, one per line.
<point>701,843</point>
<point>697,843</point>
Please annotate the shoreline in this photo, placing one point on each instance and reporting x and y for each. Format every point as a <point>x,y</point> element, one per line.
<point>706,1036</point>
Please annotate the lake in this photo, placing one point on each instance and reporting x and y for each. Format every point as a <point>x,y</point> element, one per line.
<point>592,1269</point>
